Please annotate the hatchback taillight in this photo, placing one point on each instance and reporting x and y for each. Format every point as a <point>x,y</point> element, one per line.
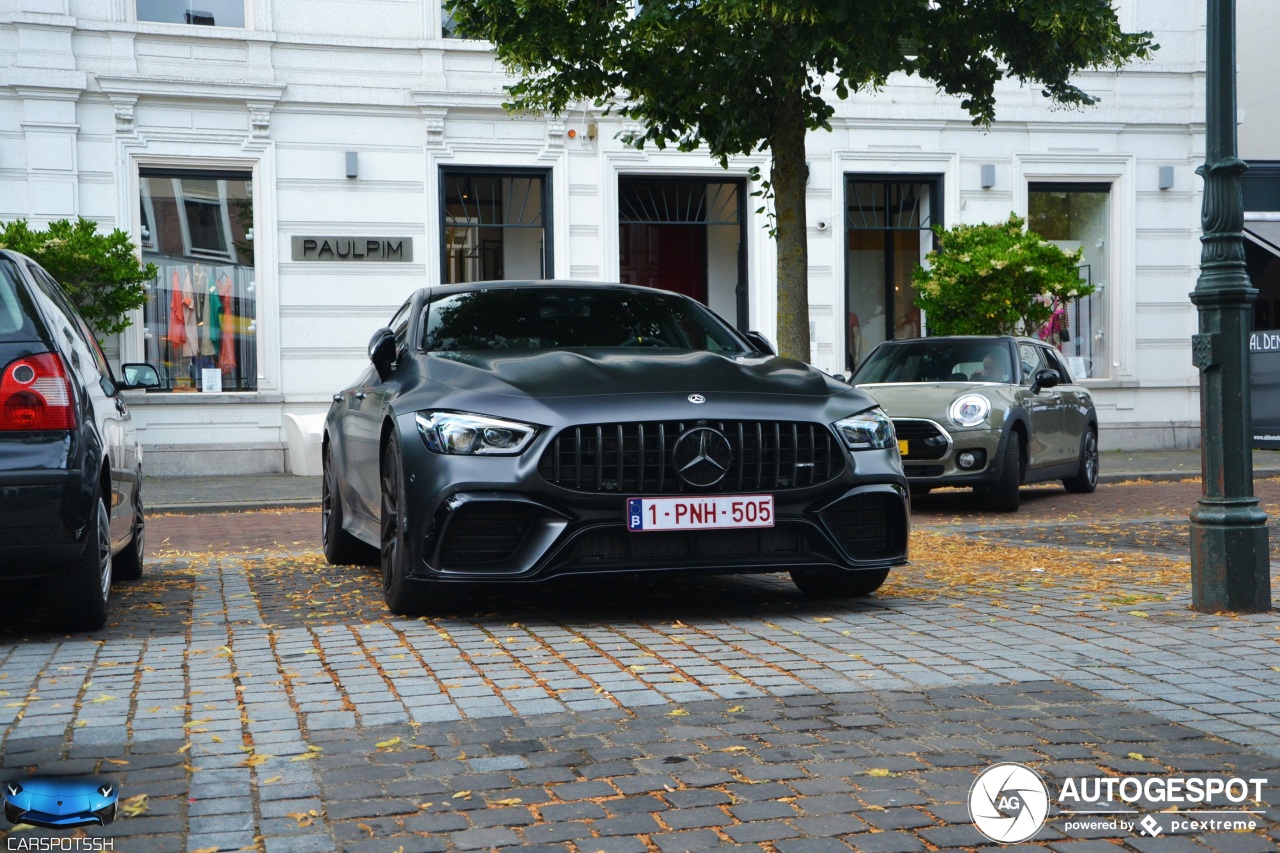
<point>36,395</point>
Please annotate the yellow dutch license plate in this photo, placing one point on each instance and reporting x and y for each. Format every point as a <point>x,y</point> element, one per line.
<point>902,446</point>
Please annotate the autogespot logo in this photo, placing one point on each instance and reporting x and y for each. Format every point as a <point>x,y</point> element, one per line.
<point>1008,803</point>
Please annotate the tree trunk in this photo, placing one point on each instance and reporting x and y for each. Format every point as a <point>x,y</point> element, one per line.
<point>788,178</point>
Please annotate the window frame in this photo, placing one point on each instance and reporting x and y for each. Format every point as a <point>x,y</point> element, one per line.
<point>546,199</point>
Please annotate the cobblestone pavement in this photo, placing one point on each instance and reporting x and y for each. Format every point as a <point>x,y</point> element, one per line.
<point>255,697</point>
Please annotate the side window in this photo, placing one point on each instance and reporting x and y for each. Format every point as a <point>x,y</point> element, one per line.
<point>400,326</point>
<point>1055,361</point>
<point>1032,361</point>
<point>77,325</point>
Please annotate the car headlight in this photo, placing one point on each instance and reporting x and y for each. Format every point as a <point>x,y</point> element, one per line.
<point>473,435</point>
<point>969,410</point>
<point>13,789</point>
<point>869,430</point>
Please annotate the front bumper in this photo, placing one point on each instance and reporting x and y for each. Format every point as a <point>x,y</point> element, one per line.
<point>934,450</point>
<point>470,519</point>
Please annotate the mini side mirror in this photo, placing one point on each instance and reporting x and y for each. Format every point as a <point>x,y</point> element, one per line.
<point>138,376</point>
<point>1045,378</point>
<point>382,351</point>
<point>760,342</point>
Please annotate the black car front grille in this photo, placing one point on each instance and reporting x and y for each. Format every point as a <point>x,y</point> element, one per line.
<point>869,526</point>
<point>924,439</point>
<point>616,546</point>
<point>484,533</point>
<point>635,458</point>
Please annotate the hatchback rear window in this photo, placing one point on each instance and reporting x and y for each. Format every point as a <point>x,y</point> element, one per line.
<point>16,309</point>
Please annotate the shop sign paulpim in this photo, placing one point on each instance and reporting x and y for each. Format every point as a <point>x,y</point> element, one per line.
<point>395,249</point>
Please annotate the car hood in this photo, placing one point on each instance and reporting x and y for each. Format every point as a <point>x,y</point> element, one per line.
<point>931,399</point>
<point>582,373</point>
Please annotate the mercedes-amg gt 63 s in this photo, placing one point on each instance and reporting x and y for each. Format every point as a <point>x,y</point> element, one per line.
<point>517,431</point>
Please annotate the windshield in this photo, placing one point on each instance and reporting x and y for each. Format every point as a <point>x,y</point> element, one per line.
<point>937,361</point>
<point>549,318</point>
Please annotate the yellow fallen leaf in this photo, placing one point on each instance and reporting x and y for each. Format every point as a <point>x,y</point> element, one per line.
<point>425,805</point>
<point>214,849</point>
<point>387,744</point>
<point>120,762</point>
<point>462,795</point>
<point>105,697</point>
<point>184,748</point>
<point>734,749</point>
<point>678,712</point>
<point>197,723</point>
<point>272,780</point>
<point>1139,613</point>
<point>879,771</point>
<point>1137,756</point>
<point>306,756</point>
<point>462,755</point>
<point>215,739</point>
<point>514,801</point>
<point>823,619</point>
<point>302,818</point>
<point>134,806</point>
<point>637,668</point>
<point>254,760</point>
<point>736,709</point>
<point>366,828</point>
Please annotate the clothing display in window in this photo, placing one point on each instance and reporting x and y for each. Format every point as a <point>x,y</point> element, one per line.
<point>227,359</point>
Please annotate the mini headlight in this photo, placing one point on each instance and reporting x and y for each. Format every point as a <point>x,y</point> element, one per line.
<point>869,430</point>
<point>969,410</point>
<point>473,435</point>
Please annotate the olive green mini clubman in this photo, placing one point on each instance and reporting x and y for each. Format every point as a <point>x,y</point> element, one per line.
<point>991,412</point>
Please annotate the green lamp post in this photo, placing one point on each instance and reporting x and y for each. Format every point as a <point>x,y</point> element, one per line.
<point>1230,564</point>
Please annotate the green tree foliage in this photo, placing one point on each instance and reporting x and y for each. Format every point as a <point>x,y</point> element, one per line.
<point>99,272</point>
<point>996,280</point>
<point>739,76</point>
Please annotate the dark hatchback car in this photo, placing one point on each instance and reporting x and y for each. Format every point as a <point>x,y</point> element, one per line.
<point>516,431</point>
<point>71,514</point>
<point>990,412</point>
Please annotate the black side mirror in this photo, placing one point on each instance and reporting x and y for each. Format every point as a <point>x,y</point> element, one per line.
<point>382,351</point>
<point>1045,378</point>
<point>138,376</point>
<point>760,342</point>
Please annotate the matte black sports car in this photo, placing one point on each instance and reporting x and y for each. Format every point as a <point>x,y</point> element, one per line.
<point>515,431</point>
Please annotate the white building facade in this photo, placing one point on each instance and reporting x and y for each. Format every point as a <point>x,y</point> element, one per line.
<point>296,169</point>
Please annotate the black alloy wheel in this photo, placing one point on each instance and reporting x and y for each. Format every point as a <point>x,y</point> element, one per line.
<point>401,596</point>
<point>76,595</point>
<point>340,547</point>
<point>1005,491</point>
<point>1086,478</point>
<point>128,563</point>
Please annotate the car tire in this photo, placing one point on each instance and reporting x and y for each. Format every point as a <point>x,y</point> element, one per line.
<point>127,565</point>
<point>402,597</point>
<point>1086,478</point>
<point>76,595</point>
<point>838,583</point>
<point>1005,491</point>
<point>340,547</point>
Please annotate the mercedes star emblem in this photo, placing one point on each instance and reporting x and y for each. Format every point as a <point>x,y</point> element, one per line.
<point>697,398</point>
<point>702,456</point>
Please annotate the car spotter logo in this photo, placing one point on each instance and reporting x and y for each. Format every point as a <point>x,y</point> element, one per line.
<point>1008,803</point>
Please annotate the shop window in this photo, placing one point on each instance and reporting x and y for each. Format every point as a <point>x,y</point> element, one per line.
<point>887,234</point>
<point>201,312</point>
<point>1075,216</point>
<point>208,13</point>
<point>494,226</point>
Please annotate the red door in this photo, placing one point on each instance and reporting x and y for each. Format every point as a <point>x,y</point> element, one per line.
<point>668,257</point>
